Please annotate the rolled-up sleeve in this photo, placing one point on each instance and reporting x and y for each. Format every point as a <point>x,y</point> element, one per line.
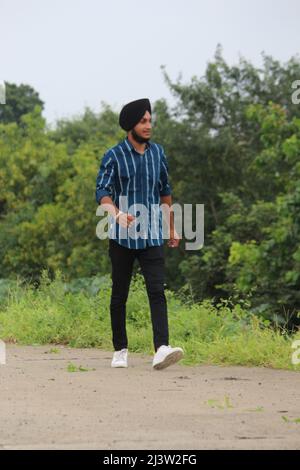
<point>105,177</point>
<point>165,188</point>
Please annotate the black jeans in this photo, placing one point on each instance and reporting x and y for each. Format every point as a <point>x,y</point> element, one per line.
<point>152,263</point>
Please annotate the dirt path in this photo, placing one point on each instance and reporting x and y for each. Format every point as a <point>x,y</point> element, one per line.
<point>43,406</point>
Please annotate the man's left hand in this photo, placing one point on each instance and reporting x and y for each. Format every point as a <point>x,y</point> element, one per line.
<point>174,240</point>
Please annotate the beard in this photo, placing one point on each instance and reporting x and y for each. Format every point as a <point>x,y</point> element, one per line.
<point>138,138</point>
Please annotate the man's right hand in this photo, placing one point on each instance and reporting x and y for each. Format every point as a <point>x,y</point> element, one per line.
<point>124,219</point>
<point>121,217</point>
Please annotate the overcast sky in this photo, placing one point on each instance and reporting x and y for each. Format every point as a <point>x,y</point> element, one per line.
<point>77,53</point>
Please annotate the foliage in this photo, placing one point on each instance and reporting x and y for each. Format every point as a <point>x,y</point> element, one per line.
<point>222,334</point>
<point>233,144</point>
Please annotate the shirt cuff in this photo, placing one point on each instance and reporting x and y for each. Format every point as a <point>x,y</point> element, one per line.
<point>165,192</point>
<point>100,193</point>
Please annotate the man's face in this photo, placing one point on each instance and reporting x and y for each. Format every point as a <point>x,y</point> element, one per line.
<point>143,127</point>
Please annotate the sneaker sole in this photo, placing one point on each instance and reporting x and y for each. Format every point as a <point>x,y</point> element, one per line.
<point>118,366</point>
<point>170,359</point>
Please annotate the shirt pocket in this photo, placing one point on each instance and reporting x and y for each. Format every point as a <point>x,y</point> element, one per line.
<point>130,179</point>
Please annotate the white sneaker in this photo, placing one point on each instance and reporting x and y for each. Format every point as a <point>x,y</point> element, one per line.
<point>120,358</point>
<point>165,356</point>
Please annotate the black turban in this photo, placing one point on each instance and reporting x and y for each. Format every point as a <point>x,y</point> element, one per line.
<point>133,112</point>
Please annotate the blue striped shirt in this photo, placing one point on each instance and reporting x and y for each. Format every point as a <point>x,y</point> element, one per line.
<point>143,178</point>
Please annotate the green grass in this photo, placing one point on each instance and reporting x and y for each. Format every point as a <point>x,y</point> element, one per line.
<point>288,420</point>
<point>226,404</point>
<point>73,368</point>
<point>226,335</point>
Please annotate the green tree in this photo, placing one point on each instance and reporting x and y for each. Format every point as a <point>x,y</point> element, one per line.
<point>20,100</point>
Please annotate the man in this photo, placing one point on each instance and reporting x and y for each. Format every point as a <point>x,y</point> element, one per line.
<point>135,173</point>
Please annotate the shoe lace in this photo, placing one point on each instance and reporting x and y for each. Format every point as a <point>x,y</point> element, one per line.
<point>122,354</point>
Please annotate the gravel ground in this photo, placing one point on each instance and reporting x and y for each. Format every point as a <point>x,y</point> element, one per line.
<point>44,406</point>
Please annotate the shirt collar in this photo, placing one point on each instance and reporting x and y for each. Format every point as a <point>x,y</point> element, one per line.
<point>128,143</point>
